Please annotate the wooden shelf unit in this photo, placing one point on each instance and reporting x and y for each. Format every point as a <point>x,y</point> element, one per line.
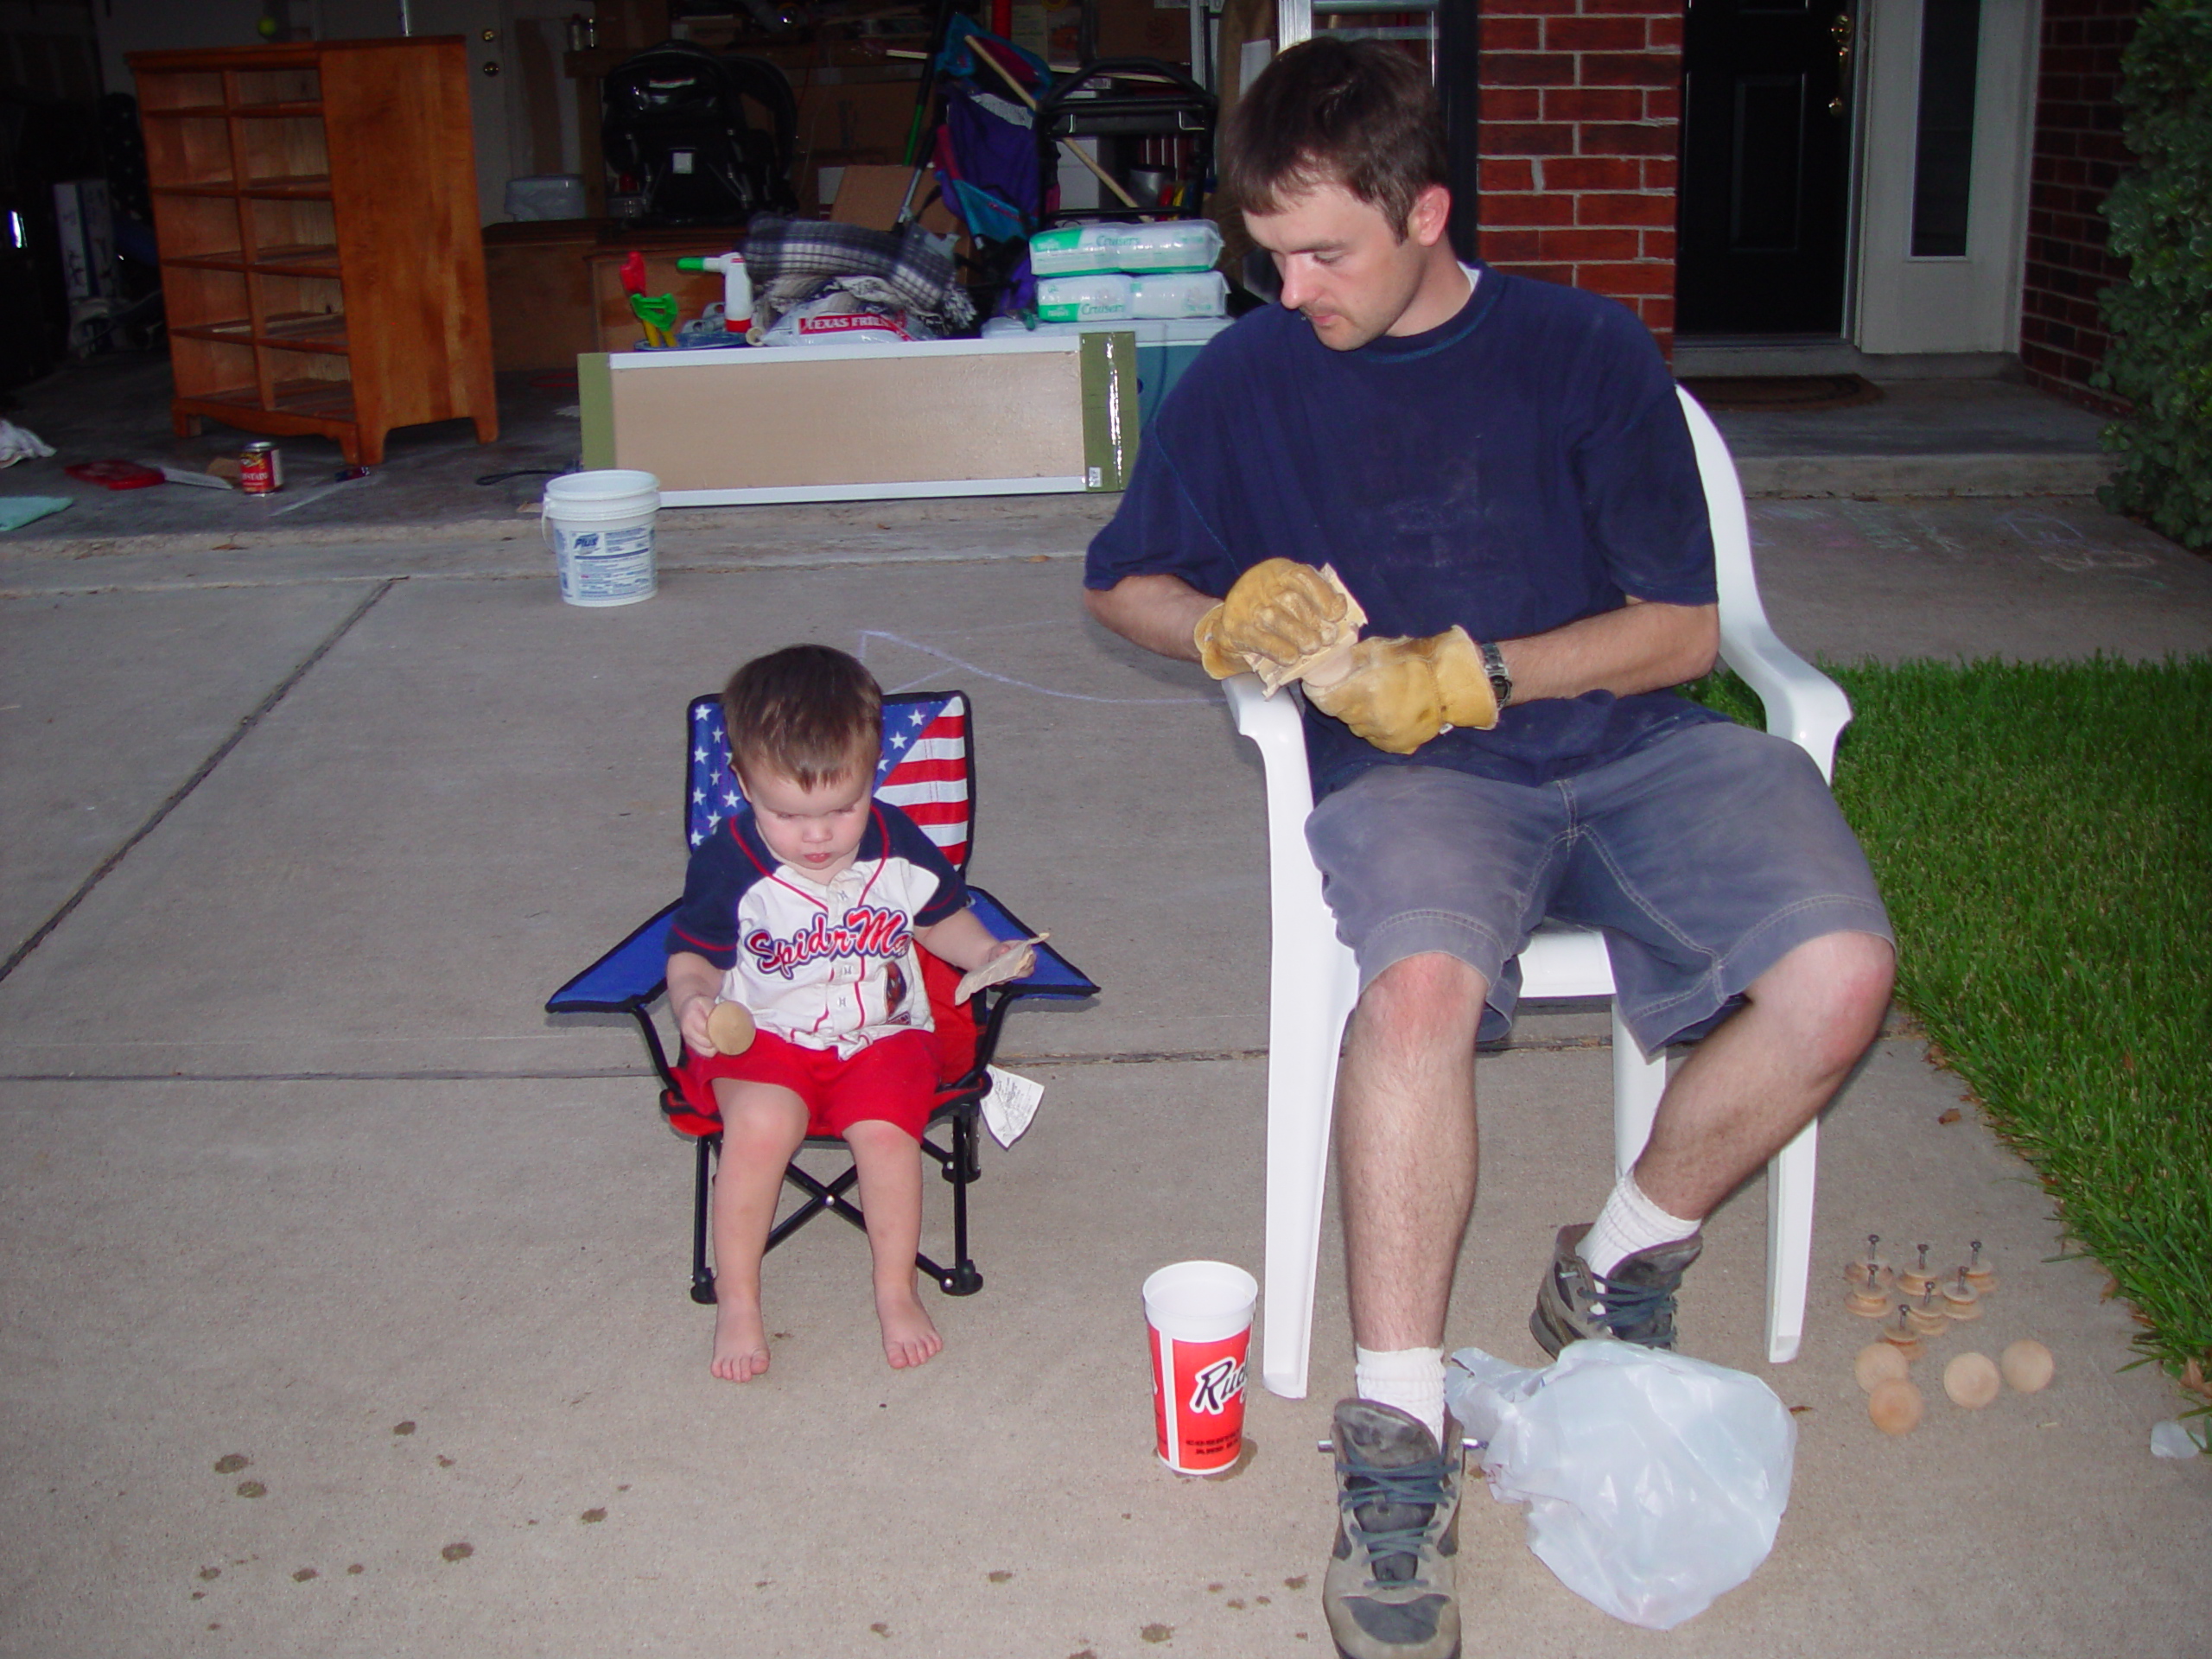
<point>321,262</point>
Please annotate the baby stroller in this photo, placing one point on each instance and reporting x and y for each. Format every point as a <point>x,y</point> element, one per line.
<point>674,121</point>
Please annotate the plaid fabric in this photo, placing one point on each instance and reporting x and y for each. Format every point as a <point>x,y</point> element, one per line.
<point>916,264</point>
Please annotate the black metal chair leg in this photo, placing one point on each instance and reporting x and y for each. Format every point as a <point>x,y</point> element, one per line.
<point>703,1278</point>
<point>964,1279</point>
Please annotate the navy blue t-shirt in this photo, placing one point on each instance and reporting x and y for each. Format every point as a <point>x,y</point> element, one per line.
<point>1518,468</point>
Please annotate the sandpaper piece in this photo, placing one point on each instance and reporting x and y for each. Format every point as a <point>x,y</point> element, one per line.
<point>1328,664</point>
<point>1011,964</point>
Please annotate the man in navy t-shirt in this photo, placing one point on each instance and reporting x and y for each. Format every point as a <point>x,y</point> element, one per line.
<point>1498,473</point>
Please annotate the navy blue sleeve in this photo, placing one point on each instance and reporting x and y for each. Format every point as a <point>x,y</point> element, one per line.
<point>1630,447</point>
<point>906,841</point>
<point>705,922</point>
<point>1171,519</point>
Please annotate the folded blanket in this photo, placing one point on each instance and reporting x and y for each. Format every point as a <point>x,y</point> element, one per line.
<point>915,266</point>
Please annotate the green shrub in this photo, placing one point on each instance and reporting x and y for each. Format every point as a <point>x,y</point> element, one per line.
<point>2160,214</point>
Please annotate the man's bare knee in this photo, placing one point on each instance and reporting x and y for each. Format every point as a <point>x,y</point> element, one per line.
<point>1833,990</point>
<point>1424,1000</point>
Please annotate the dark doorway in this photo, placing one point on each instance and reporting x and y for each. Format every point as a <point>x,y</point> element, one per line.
<point>1766,127</point>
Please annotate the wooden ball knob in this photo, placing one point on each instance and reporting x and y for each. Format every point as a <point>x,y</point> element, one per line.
<point>1971,1380</point>
<point>729,1028</point>
<point>1895,1406</point>
<point>2027,1365</point>
<point>1880,1363</point>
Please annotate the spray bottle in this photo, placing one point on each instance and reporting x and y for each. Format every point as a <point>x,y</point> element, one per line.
<point>737,287</point>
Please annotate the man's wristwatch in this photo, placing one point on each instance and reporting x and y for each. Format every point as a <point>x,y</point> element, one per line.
<point>1500,682</point>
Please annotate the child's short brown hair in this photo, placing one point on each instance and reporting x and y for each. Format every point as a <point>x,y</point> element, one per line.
<point>808,712</point>
<point>1354,113</point>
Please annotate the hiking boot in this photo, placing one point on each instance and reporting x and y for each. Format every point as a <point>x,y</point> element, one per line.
<point>1388,1592</point>
<point>1635,1302</point>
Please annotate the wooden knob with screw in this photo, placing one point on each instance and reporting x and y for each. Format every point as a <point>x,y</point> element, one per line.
<point>1979,1274</point>
<point>1916,1281</point>
<point>1928,1319</point>
<point>1960,1300</point>
<point>1899,1333</point>
<point>1867,1303</point>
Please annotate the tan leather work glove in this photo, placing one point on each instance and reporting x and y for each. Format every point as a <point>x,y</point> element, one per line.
<point>1280,612</point>
<point>1400,693</point>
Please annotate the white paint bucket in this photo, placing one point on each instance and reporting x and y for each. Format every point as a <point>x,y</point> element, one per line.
<point>600,526</point>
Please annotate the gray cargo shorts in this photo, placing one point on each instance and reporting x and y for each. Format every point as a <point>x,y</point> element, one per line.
<point>1706,857</point>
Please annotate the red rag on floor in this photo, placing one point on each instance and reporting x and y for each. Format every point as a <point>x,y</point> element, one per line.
<point>115,475</point>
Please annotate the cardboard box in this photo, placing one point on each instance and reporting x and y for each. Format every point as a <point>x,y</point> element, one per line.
<point>542,311</point>
<point>1138,28</point>
<point>871,195</point>
<point>629,26</point>
<point>866,423</point>
<point>1166,347</point>
<point>850,116</point>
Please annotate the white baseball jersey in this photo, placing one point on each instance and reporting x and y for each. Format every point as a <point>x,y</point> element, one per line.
<point>830,965</point>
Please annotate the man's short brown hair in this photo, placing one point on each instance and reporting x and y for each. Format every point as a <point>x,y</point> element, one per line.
<point>1358,114</point>
<point>808,712</point>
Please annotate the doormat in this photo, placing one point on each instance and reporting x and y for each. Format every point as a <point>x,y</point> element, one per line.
<point>1790,393</point>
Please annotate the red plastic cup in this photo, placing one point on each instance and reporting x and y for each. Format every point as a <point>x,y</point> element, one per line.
<point>1200,1318</point>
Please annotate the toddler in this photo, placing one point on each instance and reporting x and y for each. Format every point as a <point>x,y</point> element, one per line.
<point>808,906</point>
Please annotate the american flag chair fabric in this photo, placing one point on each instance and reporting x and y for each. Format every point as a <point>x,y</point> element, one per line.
<point>927,770</point>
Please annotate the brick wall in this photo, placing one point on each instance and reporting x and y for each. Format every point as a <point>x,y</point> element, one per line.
<point>2078,155</point>
<point>1581,110</point>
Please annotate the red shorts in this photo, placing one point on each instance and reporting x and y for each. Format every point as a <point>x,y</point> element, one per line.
<point>894,1079</point>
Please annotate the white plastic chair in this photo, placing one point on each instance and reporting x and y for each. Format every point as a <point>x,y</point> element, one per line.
<point>1315,981</point>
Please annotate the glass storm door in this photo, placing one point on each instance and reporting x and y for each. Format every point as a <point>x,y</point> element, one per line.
<point>1943,214</point>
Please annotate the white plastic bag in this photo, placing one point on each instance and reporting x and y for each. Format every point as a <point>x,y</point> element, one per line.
<point>2177,1439</point>
<point>1654,1483</point>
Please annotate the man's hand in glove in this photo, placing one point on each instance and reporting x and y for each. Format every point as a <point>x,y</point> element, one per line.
<point>1279,611</point>
<point>1399,693</point>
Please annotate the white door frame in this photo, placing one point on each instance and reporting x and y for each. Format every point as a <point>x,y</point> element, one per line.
<point>1902,303</point>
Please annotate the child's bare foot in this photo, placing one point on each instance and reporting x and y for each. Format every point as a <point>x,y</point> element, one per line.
<point>909,1337</point>
<point>741,1341</point>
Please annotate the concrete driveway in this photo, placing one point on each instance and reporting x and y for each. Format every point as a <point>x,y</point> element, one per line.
<point>341,1299</point>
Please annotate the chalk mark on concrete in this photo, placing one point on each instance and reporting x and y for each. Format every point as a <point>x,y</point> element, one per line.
<point>868,634</point>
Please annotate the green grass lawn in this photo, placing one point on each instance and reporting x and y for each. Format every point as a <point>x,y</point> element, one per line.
<point>2042,835</point>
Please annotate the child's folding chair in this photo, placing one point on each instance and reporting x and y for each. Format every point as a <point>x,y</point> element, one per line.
<point>927,770</point>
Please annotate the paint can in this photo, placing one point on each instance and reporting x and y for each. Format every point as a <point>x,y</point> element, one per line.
<point>599,525</point>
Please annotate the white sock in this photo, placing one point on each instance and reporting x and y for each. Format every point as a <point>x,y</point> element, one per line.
<point>1629,1222</point>
<point>1412,1379</point>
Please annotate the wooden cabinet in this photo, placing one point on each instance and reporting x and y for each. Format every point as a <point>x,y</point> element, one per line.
<point>559,285</point>
<point>321,259</point>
